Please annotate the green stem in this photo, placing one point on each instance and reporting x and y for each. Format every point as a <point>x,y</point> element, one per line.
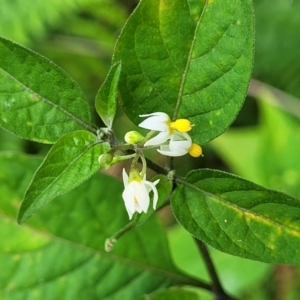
<point>117,159</point>
<point>122,147</point>
<point>149,135</point>
<point>144,165</point>
<point>155,167</point>
<point>110,242</point>
<point>169,163</point>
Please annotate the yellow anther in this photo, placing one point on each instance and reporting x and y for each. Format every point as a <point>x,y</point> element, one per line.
<point>195,150</point>
<point>181,125</point>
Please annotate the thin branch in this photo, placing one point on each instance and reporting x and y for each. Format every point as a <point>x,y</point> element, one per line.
<point>217,289</point>
<point>155,167</point>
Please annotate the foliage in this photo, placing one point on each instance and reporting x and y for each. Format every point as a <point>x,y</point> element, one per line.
<point>180,70</point>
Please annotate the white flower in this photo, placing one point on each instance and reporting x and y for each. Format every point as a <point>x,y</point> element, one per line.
<point>161,122</point>
<point>180,144</point>
<point>136,193</point>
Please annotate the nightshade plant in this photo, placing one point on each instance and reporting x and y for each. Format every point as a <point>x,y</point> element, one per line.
<point>180,69</point>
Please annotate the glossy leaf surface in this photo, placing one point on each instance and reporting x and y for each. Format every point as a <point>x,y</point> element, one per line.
<point>190,59</point>
<point>60,254</point>
<point>106,99</point>
<point>73,159</point>
<point>38,100</point>
<point>239,217</point>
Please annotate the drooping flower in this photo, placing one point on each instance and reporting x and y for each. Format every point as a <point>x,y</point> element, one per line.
<point>180,144</point>
<point>136,193</point>
<point>161,122</point>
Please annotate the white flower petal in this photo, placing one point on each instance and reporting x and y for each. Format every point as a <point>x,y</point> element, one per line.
<point>179,145</point>
<point>130,214</point>
<point>176,150</point>
<point>142,195</point>
<point>125,178</point>
<point>152,186</point>
<point>181,136</point>
<point>137,207</point>
<point>136,195</point>
<point>156,182</point>
<point>159,139</point>
<point>128,197</point>
<point>171,153</point>
<point>156,121</point>
<point>159,114</point>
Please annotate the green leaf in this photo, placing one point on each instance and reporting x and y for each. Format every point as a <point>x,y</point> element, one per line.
<point>164,188</point>
<point>73,159</point>
<point>239,217</point>
<point>171,294</point>
<point>59,254</point>
<point>189,59</point>
<point>38,100</point>
<point>106,99</point>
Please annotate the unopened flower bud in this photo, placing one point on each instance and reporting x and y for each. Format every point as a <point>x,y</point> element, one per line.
<point>133,137</point>
<point>105,160</point>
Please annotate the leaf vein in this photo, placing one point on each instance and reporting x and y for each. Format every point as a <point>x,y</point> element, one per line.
<point>187,66</point>
<point>49,102</point>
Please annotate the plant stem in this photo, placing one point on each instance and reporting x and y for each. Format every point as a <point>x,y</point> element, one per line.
<point>217,288</point>
<point>155,167</point>
<point>110,242</point>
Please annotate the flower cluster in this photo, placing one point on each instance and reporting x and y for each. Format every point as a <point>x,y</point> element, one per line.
<point>180,143</point>
<point>172,138</point>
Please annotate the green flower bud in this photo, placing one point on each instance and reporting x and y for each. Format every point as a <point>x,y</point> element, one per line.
<point>105,160</point>
<point>133,137</point>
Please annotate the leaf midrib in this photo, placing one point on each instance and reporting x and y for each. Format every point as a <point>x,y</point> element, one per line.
<point>110,256</point>
<point>244,210</point>
<point>21,219</point>
<point>49,102</point>
<point>184,75</point>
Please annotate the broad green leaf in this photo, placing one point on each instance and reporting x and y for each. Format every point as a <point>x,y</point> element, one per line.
<point>164,188</point>
<point>59,254</point>
<point>73,159</point>
<point>171,294</point>
<point>239,217</point>
<point>189,59</point>
<point>38,100</point>
<point>106,99</point>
